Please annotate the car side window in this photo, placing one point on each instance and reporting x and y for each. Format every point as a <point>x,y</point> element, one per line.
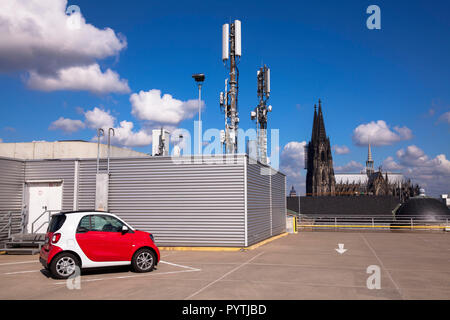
<point>84,225</point>
<point>106,224</point>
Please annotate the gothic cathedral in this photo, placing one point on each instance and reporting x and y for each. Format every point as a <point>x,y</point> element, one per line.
<point>320,179</point>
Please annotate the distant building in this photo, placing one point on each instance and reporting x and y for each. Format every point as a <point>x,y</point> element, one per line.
<point>445,199</point>
<point>293,201</point>
<point>322,181</point>
<point>293,193</point>
<point>377,183</point>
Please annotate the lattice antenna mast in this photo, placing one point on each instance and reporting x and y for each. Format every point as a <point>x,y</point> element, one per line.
<point>260,114</point>
<point>231,52</point>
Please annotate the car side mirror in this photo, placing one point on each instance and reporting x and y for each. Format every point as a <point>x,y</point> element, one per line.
<point>124,229</point>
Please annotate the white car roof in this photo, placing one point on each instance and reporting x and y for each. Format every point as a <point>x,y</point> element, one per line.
<point>85,212</point>
<point>77,215</point>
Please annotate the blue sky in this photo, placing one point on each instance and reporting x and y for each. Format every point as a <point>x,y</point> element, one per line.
<point>315,49</point>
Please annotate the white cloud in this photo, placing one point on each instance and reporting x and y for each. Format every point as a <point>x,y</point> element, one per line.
<point>379,134</point>
<point>352,166</point>
<point>292,164</point>
<point>125,136</point>
<point>431,173</point>
<point>412,156</point>
<point>37,38</point>
<point>67,125</point>
<point>390,164</point>
<point>341,149</point>
<point>89,78</point>
<point>99,118</point>
<point>445,117</point>
<point>151,106</point>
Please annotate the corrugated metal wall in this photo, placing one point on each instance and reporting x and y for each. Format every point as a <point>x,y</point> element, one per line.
<point>86,184</point>
<point>266,207</point>
<point>54,170</point>
<point>185,204</point>
<point>11,192</point>
<point>278,185</point>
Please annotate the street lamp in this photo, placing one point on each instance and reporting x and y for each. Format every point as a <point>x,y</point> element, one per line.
<point>199,78</point>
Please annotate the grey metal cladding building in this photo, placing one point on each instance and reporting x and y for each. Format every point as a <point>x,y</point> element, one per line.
<point>222,200</point>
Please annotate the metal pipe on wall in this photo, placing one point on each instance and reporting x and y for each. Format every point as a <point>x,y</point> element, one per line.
<point>109,143</point>
<point>100,133</point>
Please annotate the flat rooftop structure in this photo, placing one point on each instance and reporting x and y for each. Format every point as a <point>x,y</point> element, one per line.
<point>413,265</point>
<point>215,201</point>
<point>70,149</point>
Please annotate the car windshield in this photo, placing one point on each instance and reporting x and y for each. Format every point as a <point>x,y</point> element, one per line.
<point>56,223</point>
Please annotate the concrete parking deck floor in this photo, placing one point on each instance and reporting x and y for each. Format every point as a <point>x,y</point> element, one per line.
<point>300,266</point>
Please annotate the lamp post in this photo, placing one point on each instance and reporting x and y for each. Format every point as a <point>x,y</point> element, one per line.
<point>199,78</point>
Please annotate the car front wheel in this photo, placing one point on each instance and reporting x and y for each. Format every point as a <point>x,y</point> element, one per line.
<point>143,260</point>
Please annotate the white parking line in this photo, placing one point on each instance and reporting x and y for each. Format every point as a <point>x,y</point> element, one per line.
<point>18,272</point>
<point>382,265</point>
<point>22,262</point>
<point>179,265</point>
<point>190,269</point>
<point>131,276</point>
<point>226,274</point>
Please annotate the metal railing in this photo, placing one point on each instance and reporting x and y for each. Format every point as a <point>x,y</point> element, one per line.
<point>7,217</point>
<point>23,220</point>
<point>389,222</point>
<point>49,213</point>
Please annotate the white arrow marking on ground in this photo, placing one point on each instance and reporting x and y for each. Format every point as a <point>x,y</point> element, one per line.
<point>341,249</point>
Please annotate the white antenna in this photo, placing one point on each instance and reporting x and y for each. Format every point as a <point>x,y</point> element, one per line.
<point>225,41</point>
<point>237,38</point>
<point>267,80</point>
<point>231,49</point>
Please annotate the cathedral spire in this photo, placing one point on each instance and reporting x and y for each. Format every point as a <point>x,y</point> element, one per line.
<point>321,134</point>
<point>369,162</point>
<point>320,179</point>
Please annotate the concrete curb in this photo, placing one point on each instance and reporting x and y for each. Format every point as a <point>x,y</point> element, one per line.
<point>222,249</point>
<point>259,244</point>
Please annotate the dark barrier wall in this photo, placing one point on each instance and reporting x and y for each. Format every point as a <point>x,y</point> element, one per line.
<point>293,204</point>
<point>360,205</point>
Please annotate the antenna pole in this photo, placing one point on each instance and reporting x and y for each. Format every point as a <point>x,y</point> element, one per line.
<point>260,114</point>
<point>232,141</point>
<point>231,38</point>
<point>200,118</point>
<point>109,143</point>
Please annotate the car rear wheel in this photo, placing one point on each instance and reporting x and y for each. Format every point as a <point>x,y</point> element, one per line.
<point>143,260</point>
<point>64,265</point>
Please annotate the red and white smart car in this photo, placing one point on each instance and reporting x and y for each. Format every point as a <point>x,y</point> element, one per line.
<point>91,239</point>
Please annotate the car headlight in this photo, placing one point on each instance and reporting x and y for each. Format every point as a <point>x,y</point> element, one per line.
<point>151,237</point>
